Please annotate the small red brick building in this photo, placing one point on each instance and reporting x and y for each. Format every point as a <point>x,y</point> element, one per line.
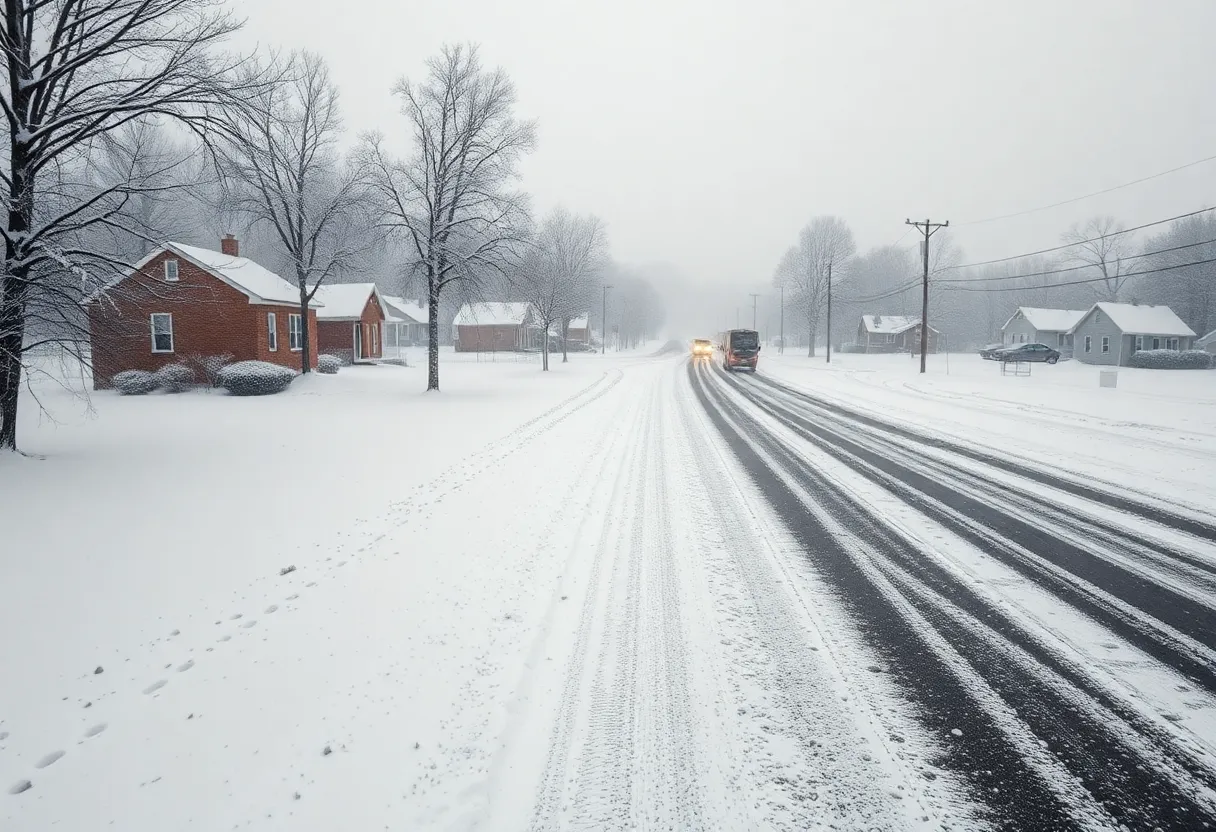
<point>350,322</point>
<point>496,327</point>
<point>182,301</point>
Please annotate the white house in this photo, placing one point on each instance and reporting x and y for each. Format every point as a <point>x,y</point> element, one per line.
<point>1207,342</point>
<point>406,324</point>
<point>1110,333</point>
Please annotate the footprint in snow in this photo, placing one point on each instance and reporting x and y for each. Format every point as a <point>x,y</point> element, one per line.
<point>234,616</point>
<point>95,730</point>
<point>49,759</point>
<point>272,608</point>
<point>293,596</point>
<point>225,638</point>
<point>3,735</point>
<point>253,622</point>
<point>20,786</point>
<point>182,668</point>
<point>155,686</point>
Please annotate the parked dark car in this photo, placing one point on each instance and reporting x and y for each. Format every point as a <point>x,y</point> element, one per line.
<point>1028,352</point>
<point>988,353</point>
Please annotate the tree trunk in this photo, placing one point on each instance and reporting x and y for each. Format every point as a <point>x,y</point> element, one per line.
<point>305,351</point>
<point>432,325</point>
<point>544,348</point>
<point>810,350</point>
<point>12,325</point>
<point>15,286</point>
<point>565,335</point>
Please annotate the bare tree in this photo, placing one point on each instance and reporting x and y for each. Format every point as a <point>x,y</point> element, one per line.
<point>558,273</point>
<point>77,74</point>
<point>1101,243</point>
<point>282,171</point>
<point>826,243</point>
<point>453,200</point>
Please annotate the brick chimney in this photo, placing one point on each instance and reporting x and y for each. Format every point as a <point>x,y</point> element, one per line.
<point>231,246</point>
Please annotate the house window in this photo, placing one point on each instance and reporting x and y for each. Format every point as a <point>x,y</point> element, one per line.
<point>1139,345</point>
<point>295,333</point>
<point>1171,343</point>
<point>1061,341</point>
<point>1105,344</point>
<point>1156,343</point>
<point>162,332</point>
<point>375,338</point>
<point>1098,317</point>
<point>1089,343</point>
<point>272,331</point>
<point>890,337</point>
<point>170,271</point>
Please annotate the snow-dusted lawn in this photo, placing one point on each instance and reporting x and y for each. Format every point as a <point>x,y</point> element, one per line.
<point>167,514</point>
<point>1155,432</point>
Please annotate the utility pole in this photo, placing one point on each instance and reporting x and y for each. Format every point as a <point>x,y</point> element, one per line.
<point>781,349</point>
<point>928,229</point>
<point>754,296</point>
<point>604,322</point>
<point>829,353</point>
<point>736,317</point>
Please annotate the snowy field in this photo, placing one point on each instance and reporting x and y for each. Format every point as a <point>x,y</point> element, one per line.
<point>630,593</point>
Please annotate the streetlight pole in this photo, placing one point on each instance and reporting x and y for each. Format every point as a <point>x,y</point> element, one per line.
<point>604,322</point>
<point>754,296</point>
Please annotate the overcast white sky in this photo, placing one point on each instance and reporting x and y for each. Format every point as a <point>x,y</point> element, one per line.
<point>707,132</point>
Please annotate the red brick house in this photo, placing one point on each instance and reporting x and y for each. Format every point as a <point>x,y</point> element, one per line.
<point>350,322</point>
<point>496,327</point>
<point>892,333</point>
<point>182,301</point>
<point>579,329</point>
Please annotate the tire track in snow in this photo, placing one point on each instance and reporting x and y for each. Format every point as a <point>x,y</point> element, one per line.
<point>1180,518</point>
<point>856,764</point>
<point>1128,602</point>
<point>1106,757</point>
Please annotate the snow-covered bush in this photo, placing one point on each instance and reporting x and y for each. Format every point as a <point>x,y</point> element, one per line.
<point>328,364</point>
<point>175,378</point>
<point>208,366</point>
<point>1171,360</point>
<point>135,382</point>
<point>255,378</point>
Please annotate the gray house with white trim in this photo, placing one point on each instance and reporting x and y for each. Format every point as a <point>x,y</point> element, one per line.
<point>1207,342</point>
<point>1032,325</point>
<point>1110,333</point>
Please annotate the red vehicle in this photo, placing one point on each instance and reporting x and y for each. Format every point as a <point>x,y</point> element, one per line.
<point>740,349</point>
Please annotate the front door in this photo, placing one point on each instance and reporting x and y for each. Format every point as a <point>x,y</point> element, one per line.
<point>358,353</point>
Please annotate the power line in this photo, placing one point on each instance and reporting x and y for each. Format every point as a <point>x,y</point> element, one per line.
<point>1078,282</point>
<point>1088,196</point>
<point>1069,268</point>
<point>898,290</point>
<point>1078,242</point>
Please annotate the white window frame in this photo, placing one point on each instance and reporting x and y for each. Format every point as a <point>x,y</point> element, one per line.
<point>1106,345</point>
<point>890,337</point>
<point>1156,343</point>
<point>375,339</point>
<point>1139,344</point>
<point>295,332</point>
<point>1089,344</point>
<point>172,275</point>
<point>152,328</point>
<point>1171,343</point>
<point>1098,316</point>
<point>272,331</point>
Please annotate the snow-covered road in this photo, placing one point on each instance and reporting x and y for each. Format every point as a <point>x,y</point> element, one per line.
<point>679,599</point>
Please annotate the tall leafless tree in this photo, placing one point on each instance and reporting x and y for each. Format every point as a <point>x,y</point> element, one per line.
<point>558,274</point>
<point>77,73</point>
<point>282,171</point>
<point>453,200</point>
<point>825,243</point>
<point>1101,243</point>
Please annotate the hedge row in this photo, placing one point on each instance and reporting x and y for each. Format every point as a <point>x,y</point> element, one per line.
<point>1171,360</point>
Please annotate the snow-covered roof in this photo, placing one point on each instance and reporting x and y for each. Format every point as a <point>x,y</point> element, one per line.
<point>579,323</point>
<point>344,301</point>
<point>261,284</point>
<point>1134,319</point>
<point>491,314</point>
<point>890,324</point>
<point>1207,339</point>
<point>401,309</point>
<point>1049,320</point>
